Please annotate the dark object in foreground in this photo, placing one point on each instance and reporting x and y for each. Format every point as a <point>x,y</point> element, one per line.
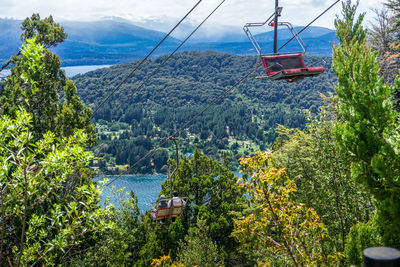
<point>381,257</point>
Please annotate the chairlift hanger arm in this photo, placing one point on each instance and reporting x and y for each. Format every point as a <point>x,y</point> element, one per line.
<point>295,35</point>
<point>177,161</point>
<point>272,18</point>
<point>269,22</point>
<point>258,24</point>
<point>250,35</point>
<point>177,150</point>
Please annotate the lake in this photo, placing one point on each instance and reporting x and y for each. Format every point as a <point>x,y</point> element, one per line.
<point>145,187</point>
<point>74,70</point>
<point>69,71</point>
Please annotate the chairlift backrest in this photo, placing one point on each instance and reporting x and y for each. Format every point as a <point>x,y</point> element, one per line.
<point>161,213</point>
<point>166,212</point>
<point>289,67</point>
<point>176,211</point>
<point>277,63</point>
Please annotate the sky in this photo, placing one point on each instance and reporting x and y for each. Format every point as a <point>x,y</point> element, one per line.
<point>161,14</point>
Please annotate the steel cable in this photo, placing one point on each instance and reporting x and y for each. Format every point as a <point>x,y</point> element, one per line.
<point>326,10</point>
<point>151,152</point>
<point>143,60</point>
<point>170,55</point>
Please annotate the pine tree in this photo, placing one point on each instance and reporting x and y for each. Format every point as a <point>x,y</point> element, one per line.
<point>369,128</point>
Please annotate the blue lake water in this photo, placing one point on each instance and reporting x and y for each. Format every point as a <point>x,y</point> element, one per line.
<point>72,71</point>
<point>145,187</point>
<point>69,71</point>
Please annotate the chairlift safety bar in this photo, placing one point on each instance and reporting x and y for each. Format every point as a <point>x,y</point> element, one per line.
<point>270,20</point>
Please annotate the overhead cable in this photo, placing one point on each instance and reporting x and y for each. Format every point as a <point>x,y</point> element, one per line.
<point>326,10</point>
<point>170,55</point>
<point>177,132</point>
<point>143,60</point>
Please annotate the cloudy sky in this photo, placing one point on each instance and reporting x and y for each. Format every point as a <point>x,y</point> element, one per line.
<point>166,12</point>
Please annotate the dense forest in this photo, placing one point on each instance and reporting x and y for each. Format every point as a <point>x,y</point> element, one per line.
<point>325,192</point>
<point>138,117</point>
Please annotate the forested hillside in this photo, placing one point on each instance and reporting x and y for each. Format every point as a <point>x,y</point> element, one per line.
<point>129,125</point>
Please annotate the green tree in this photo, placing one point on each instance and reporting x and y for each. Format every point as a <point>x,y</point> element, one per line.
<point>39,224</point>
<point>278,228</point>
<point>48,33</point>
<point>39,85</point>
<point>369,128</point>
<point>322,174</point>
<point>198,249</point>
<point>49,202</point>
<point>120,243</point>
<point>211,194</point>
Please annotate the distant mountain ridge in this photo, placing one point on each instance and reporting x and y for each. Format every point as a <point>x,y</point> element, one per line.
<point>114,41</point>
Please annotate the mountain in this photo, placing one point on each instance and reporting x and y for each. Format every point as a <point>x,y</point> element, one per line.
<point>284,34</point>
<point>206,33</point>
<point>109,41</point>
<point>110,32</point>
<point>9,38</point>
<point>96,42</point>
<point>117,40</point>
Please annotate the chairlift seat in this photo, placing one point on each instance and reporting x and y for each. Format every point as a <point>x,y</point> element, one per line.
<point>160,214</point>
<point>288,67</point>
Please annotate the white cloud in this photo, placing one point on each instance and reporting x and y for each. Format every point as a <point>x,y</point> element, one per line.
<point>233,12</point>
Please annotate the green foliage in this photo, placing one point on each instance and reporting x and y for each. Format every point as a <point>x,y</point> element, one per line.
<point>120,243</point>
<point>32,54</point>
<point>361,236</point>
<point>348,29</point>
<point>40,224</point>
<point>369,128</point>
<point>322,174</point>
<point>198,249</point>
<point>49,203</point>
<point>46,31</point>
<point>37,84</point>
<point>211,192</point>
<point>212,197</point>
<point>279,229</point>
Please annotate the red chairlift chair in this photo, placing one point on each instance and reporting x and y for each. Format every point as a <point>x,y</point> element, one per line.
<point>281,66</point>
<point>288,67</point>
